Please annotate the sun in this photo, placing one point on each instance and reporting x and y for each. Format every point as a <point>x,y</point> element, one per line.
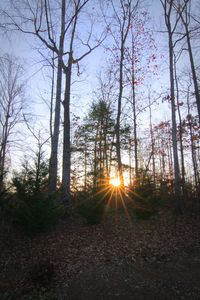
<point>115,182</point>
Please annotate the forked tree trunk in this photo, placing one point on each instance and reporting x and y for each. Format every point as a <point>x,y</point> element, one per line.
<point>53,166</point>
<point>167,7</point>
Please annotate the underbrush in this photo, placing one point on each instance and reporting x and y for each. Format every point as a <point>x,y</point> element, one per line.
<point>28,208</point>
<point>32,214</point>
<point>146,199</point>
<point>36,294</point>
<point>37,213</point>
<point>91,206</point>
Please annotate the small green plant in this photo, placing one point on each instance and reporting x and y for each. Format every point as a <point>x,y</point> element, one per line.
<point>142,213</point>
<point>36,294</point>
<point>7,296</point>
<point>41,294</point>
<point>34,211</point>
<point>5,209</point>
<point>90,205</point>
<point>146,197</point>
<point>37,213</point>
<point>31,179</point>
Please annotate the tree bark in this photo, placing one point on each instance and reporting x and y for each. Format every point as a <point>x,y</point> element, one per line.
<point>177,189</point>
<point>135,131</point>
<point>168,6</point>
<point>53,166</point>
<point>117,127</point>
<point>180,133</point>
<point>66,167</point>
<point>186,22</point>
<point>152,142</point>
<point>194,75</point>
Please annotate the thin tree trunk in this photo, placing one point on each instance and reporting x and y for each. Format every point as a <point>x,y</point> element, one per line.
<point>193,152</point>
<point>38,166</point>
<point>4,145</point>
<point>179,203</point>
<point>85,165</point>
<point>66,168</point>
<point>130,162</point>
<point>117,127</point>
<point>105,151</point>
<point>135,131</point>
<point>52,96</point>
<point>194,75</point>
<point>53,167</point>
<point>180,133</point>
<point>124,30</point>
<point>152,142</point>
<point>134,112</point>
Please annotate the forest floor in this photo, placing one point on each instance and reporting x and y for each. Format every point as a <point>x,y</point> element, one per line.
<point>118,259</point>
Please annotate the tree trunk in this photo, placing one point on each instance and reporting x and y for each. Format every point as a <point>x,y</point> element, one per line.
<point>3,150</point>
<point>52,97</point>
<point>4,142</point>
<point>85,165</point>
<point>134,112</point>
<point>194,75</point>
<point>192,146</point>
<point>53,167</point>
<point>95,162</point>
<point>177,189</point>
<point>135,131</point>
<point>38,167</point>
<point>152,142</point>
<point>180,134</point>
<point>66,139</point>
<point>117,127</point>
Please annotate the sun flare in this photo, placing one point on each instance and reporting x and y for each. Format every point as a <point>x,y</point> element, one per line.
<point>115,182</point>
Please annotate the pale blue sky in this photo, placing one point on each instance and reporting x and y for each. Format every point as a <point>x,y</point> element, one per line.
<point>22,46</point>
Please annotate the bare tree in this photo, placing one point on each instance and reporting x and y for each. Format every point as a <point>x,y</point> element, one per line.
<point>137,69</point>
<point>38,154</point>
<point>68,69</point>
<point>171,27</point>
<point>186,20</point>
<point>57,33</point>
<point>179,103</point>
<point>35,18</point>
<point>11,104</point>
<point>119,32</point>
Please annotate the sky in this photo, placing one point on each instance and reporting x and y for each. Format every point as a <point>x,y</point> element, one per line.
<point>38,83</point>
<point>22,46</point>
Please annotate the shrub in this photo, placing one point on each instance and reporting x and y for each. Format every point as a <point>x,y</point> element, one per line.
<point>31,179</point>
<point>146,198</point>
<point>143,213</point>
<point>32,210</point>
<point>36,294</point>
<point>41,294</point>
<point>5,208</point>
<point>37,213</point>
<point>7,295</point>
<point>90,205</point>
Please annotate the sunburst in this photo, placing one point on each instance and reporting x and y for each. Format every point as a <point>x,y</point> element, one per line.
<point>115,182</point>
